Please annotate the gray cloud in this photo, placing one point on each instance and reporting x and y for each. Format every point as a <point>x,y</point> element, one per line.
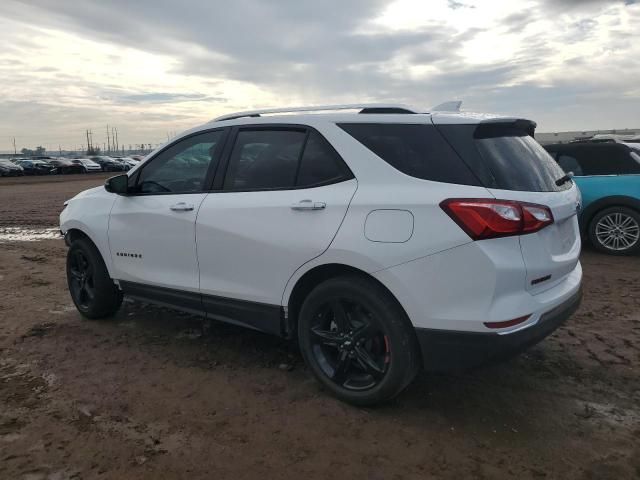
<point>325,51</point>
<point>454,5</point>
<point>160,97</point>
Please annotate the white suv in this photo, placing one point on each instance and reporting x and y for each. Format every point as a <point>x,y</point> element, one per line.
<point>381,240</point>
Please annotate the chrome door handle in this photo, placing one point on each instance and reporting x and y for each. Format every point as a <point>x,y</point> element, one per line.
<point>181,207</point>
<point>308,205</point>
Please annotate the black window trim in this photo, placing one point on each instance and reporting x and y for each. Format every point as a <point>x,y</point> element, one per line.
<point>218,186</point>
<point>209,176</point>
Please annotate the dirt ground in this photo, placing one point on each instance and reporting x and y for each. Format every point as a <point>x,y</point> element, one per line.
<point>156,394</point>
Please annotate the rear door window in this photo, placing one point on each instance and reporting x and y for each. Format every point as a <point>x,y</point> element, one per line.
<point>265,159</point>
<point>320,163</point>
<point>418,150</point>
<point>282,158</point>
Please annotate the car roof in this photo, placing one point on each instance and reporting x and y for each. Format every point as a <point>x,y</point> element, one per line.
<point>445,113</point>
<point>310,118</point>
<point>360,113</point>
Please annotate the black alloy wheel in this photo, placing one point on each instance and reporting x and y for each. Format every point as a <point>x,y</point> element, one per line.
<point>81,282</point>
<point>349,344</point>
<point>357,340</point>
<point>92,290</point>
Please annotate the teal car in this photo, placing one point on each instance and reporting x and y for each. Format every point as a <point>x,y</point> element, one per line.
<point>608,176</point>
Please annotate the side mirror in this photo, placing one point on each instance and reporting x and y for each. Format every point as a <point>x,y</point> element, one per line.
<point>118,184</point>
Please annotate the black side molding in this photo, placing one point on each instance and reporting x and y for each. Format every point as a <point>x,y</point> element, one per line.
<point>264,317</point>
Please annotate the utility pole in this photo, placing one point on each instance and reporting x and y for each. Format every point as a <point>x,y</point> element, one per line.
<point>15,152</point>
<point>108,139</point>
<point>88,149</point>
<point>117,142</point>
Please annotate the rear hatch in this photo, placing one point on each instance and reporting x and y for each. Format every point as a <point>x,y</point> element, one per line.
<point>513,166</point>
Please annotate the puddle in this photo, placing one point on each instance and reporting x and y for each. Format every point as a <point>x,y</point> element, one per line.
<point>21,234</point>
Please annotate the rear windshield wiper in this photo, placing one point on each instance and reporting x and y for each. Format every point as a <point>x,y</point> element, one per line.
<point>564,179</point>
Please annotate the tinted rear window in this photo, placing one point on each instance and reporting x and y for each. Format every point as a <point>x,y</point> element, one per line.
<point>418,150</point>
<point>505,157</point>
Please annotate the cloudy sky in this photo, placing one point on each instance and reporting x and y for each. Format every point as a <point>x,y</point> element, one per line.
<point>154,67</point>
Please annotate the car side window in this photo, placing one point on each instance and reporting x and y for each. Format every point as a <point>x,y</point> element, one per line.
<point>320,163</point>
<point>569,164</point>
<point>183,167</point>
<point>265,159</point>
<point>606,159</point>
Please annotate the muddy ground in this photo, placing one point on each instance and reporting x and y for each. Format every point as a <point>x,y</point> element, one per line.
<point>158,394</point>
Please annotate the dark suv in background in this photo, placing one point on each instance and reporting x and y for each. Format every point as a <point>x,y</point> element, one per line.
<point>108,164</point>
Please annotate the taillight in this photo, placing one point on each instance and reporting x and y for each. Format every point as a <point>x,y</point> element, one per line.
<point>483,218</point>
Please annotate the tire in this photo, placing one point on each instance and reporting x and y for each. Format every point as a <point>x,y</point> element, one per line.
<point>92,290</point>
<point>357,340</point>
<point>616,231</point>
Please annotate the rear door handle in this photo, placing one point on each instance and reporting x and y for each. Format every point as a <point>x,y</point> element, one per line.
<point>308,205</point>
<point>181,207</point>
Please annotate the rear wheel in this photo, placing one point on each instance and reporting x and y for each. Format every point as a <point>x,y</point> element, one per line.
<point>92,290</point>
<point>616,231</point>
<point>357,341</point>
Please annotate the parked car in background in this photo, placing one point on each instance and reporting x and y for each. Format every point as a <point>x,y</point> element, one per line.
<point>381,240</point>
<point>108,164</point>
<point>35,167</point>
<point>64,166</point>
<point>137,158</point>
<point>10,169</point>
<point>608,175</point>
<point>88,165</point>
<point>127,161</point>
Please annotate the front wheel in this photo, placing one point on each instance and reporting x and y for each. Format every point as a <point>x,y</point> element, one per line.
<point>616,231</point>
<point>357,340</point>
<point>92,290</point>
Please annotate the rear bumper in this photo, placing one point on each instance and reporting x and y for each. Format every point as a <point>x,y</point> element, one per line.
<point>444,350</point>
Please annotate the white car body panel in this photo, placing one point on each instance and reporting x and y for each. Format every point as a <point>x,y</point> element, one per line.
<point>145,225</point>
<point>89,212</point>
<point>555,249</point>
<point>251,243</point>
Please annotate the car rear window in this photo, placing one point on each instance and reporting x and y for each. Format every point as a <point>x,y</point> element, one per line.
<point>505,156</point>
<point>418,150</point>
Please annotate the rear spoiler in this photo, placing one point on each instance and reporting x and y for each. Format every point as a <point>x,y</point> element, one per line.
<point>452,106</point>
<point>494,127</point>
